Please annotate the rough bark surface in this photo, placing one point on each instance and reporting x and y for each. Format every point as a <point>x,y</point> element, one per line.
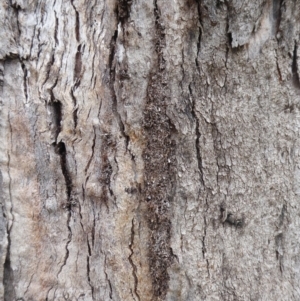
<point>149,150</point>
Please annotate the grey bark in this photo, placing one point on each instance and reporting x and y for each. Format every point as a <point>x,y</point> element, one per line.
<point>149,150</point>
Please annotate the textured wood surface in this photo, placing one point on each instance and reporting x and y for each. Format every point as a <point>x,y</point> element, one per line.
<point>149,150</point>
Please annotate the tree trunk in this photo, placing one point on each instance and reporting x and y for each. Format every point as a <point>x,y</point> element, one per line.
<point>150,150</point>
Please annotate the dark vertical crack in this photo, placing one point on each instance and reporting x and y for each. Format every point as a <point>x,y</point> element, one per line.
<point>204,246</point>
<point>123,10</point>
<point>75,109</point>
<point>159,166</point>
<point>61,151</point>
<point>92,155</point>
<point>106,169</point>
<point>278,68</point>
<point>25,81</point>
<point>200,31</point>
<point>48,66</point>
<point>107,279</point>
<point>198,135</point>
<point>32,40</point>
<point>276,12</point>
<point>56,30</point>
<point>88,274</point>
<point>134,269</point>
<point>296,81</point>
<point>77,23</point>
<point>56,111</point>
<point>279,250</point>
<point>8,276</point>
<point>112,68</point>
<point>78,66</point>
<point>16,7</point>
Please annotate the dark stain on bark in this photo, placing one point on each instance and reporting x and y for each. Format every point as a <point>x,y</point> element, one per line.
<point>160,162</point>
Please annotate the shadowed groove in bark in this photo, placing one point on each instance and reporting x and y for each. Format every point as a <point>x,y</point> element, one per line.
<point>200,31</point>
<point>123,12</point>
<point>136,281</point>
<point>160,163</point>
<point>277,4</point>
<point>8,276</point>
<point>296,81</point>
<point>77,24</point>
<point>198,135</point>
<point>112,71</point>
<point>25,80</point>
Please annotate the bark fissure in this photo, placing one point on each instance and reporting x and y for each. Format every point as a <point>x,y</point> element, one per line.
<point>30,280</point>
<point>134,269</point>
<point>278,68</point>
<point>75,109</point>
<point>198,136</point>
<point>49,65</point>
<point>77,24</point>
<point>296,80</point>
<point>88,275</point>
<point>112,68</point>
<point>159,165</point>
<point>277,11</point>
<point>8,276</point>
<point>60,150</point>
<point>67,244</point>
<point>25,86</point>
<point>77,67</point>
<point>92,155</point>
<point>107,279</point>
<point>279,250</point>
<point>123,10</point>
<point>200,32</point>
<point>56,29</point>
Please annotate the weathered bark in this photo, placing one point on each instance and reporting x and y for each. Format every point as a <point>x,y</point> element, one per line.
<point>149,150</point>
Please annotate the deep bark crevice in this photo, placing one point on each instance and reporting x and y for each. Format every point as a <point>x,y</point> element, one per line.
<point>75,109</point>
<point>123,10</point>
<point>56,29</point>
<point>200,31</point>
<point>107,279</point>
<point>56,111</point>
<point>88,275</point>
<point>112,69</point>
<point>48,66</point>
<point>77,23</point>
<point>159,165</point>
<point>276,12</point>
<point>134,269</point>
<point>198,135</point>
<point>8,275</point>
<point>78,66</point>
<point>296,80</point>
<point>25,81</point>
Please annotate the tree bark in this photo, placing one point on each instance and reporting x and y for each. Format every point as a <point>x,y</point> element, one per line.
<point>150,150</point>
